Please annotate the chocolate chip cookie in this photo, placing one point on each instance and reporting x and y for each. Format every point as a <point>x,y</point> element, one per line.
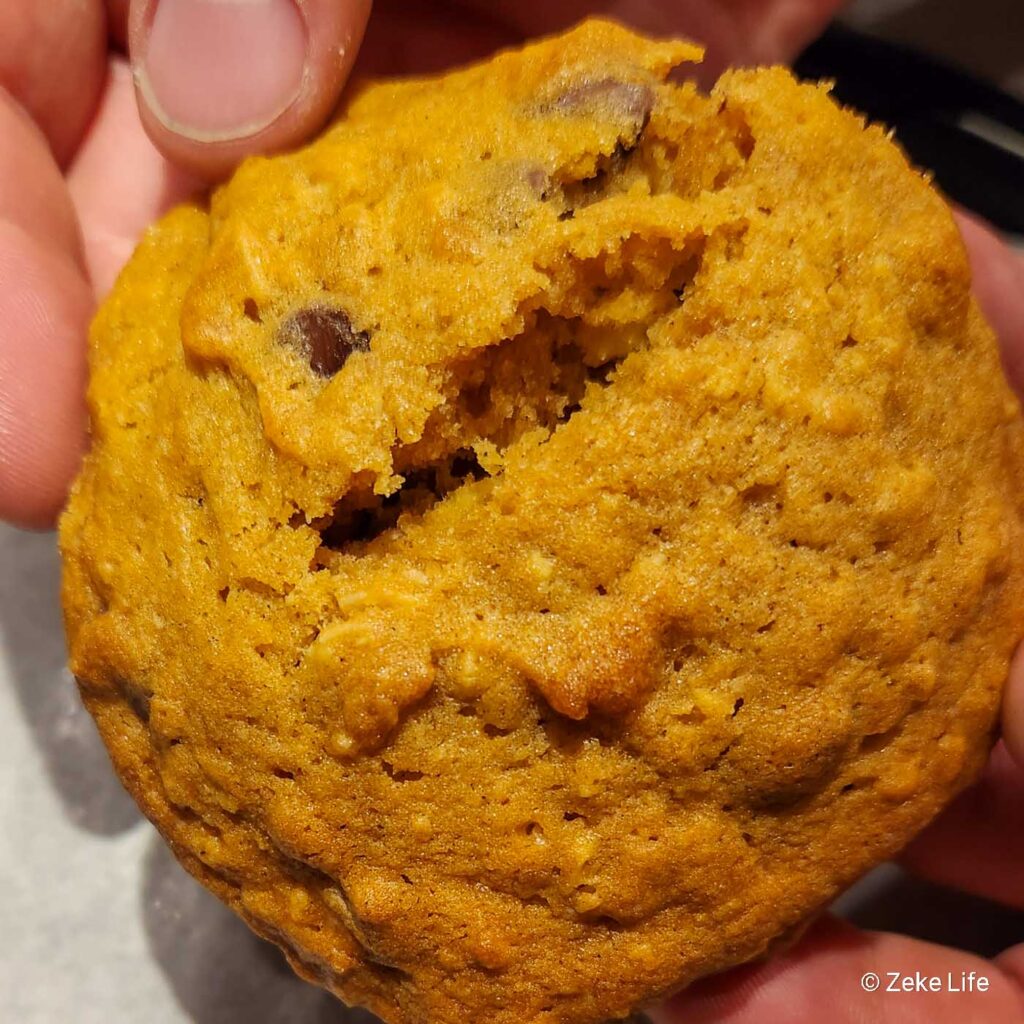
<point>543,540</point>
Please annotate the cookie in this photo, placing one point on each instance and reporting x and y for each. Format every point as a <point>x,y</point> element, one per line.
<point>543,540</point>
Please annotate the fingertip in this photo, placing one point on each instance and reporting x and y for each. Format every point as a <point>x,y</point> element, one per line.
<point>52,59</point>
<point>33,192</point>
<point>218,82</point>
<point>45,304</point>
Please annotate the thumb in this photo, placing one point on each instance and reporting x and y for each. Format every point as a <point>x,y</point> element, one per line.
<point>218,80</point>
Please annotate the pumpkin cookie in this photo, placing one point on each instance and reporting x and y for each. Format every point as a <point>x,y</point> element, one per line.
<point>546,538</point>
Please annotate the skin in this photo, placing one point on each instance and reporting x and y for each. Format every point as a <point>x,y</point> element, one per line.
<point>91,156</point>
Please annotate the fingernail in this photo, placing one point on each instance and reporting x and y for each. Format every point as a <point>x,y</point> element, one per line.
<point>216,70</point>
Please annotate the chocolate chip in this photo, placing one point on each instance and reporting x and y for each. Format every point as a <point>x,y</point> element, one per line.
<point>632,100</point>
<point>324,336</point>
<point>537,179</point>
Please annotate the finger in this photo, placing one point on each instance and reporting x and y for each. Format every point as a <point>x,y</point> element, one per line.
<point>821,979</point>
<point>998,279</point>
<point>32,191</point>
<point>772,31</point>
<point>120,182</point>
<point>220,79</point>
<point>978,842</point>
<point>45,304</point>
<point>52,60</point>
<point>1011,963</point>
<point>423,39</point>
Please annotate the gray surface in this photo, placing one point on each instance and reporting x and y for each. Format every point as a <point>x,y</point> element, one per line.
<point>98,925</point>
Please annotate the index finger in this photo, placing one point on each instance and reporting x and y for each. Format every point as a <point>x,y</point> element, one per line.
<point>998,279</point>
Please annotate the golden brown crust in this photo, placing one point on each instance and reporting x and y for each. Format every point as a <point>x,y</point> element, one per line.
<point>543,540</point>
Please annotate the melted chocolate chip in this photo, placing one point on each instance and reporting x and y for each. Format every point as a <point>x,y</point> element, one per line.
<point>324,336</point>
<point>537,179</point>
<point>633,100</point>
